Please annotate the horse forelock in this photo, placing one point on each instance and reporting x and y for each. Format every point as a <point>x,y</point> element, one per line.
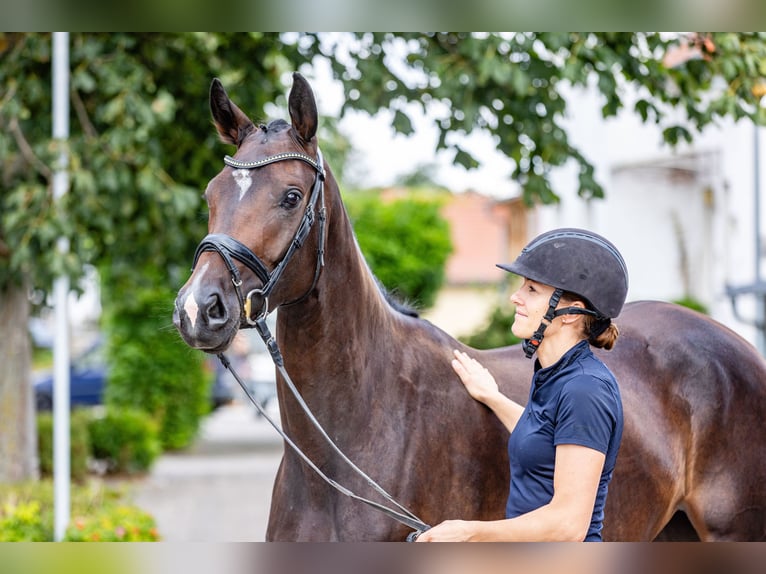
<point>277,125</point>
<point>264,132</point>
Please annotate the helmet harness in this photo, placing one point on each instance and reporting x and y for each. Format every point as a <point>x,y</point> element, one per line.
<point>531,345</point>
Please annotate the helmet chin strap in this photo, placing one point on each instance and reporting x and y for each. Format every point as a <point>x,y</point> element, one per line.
<point>531,345</point>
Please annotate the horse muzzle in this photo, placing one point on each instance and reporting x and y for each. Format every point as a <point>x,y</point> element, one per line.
<point>206,317</point>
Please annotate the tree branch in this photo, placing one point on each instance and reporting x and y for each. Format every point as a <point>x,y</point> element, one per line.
<point>82,115</point>
<point>27,151</point>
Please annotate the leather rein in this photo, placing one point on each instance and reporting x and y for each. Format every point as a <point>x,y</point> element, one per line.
<point>229,249</point>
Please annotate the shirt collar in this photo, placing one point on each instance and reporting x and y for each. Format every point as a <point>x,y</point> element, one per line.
<point>574,353</point>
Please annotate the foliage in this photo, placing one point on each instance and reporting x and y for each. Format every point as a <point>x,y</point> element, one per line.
<point>136,177</point>
<point>497,332</point>
<point>513,85</point>
<point>126,438</point>
<point>21,521</point>
<point>141,149</point>
<point>118,523</point>
<point>99,513</point>
<point>151,369</point>
<point>141,144</point>
<point>405,241</point>
<point>692,303</point>
<point>79,444</point>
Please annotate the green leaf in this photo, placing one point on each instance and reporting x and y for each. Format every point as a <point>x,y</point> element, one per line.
<point>402,123</point>
<point>465,159</point>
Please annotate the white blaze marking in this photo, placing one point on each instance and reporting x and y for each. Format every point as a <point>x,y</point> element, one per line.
<point>190,305</point>
<point>244,181</point>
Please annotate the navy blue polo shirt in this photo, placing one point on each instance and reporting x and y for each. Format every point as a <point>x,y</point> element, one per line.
<point>575,401</point>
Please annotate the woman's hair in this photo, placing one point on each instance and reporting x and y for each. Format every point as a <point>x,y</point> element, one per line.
<point>600,332</point>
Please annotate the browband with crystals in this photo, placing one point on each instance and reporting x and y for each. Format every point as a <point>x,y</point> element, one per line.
<point>230,161</point>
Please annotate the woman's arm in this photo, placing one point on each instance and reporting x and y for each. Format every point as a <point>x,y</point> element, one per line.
<point>565,518</point>
<point>481,385</point>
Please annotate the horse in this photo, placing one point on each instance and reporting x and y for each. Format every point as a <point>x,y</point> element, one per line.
<point>379,379</point>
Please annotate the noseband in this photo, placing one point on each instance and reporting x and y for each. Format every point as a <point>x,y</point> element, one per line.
<point>229,248</point>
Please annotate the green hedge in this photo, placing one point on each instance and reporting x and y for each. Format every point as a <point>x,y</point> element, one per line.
<point>692,303</point>
<point>79,443</point>
<point>497,332</point>
<point>152,369</point>
<point>127,439</point>
<point>406,242</point>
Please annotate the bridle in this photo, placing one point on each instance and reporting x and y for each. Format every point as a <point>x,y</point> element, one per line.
<point>229,249</point>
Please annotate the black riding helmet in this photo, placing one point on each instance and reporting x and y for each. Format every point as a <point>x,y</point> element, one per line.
<point>580,262</point>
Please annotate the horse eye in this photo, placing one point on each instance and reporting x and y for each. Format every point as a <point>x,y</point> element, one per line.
<point>292,199</point>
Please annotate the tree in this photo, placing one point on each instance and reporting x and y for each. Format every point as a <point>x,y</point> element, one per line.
<point>511,85</point>
<point>141,149</point>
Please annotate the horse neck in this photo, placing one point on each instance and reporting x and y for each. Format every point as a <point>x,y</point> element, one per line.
<point>348,307</point>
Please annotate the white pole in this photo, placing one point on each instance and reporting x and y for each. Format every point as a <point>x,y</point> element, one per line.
<point>61,361</point>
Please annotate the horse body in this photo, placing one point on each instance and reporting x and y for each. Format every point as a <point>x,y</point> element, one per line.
<point>694,396</point>
<point>381,384</point>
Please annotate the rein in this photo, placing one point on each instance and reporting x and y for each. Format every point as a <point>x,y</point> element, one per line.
<point>405,517</point>
<point>229,248</point>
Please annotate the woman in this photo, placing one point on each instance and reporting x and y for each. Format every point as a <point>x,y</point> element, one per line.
<point>563,444</point>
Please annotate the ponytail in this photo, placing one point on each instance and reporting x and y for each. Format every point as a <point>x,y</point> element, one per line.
<point>602,333</point>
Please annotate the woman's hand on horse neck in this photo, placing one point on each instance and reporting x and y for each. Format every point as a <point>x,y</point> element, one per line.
<point>481,385</point>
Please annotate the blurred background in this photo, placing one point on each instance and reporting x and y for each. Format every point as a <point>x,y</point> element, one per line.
<point>452,150</point>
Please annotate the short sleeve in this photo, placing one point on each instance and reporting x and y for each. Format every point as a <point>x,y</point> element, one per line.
<point>586,414</point>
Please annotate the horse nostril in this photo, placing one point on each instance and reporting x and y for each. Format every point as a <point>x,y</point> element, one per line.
<point>216,312</point>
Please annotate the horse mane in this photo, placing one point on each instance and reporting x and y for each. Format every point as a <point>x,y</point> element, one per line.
<point>403,307</point>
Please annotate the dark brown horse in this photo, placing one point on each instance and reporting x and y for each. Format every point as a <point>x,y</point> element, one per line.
<point>380,382</point>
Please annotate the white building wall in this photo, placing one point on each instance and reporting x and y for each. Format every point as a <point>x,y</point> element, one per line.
<point>703,191</point>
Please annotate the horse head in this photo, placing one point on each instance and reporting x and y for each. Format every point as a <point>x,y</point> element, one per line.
<point>262,208</point>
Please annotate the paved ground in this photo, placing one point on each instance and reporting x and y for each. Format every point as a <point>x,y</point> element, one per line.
<point>219,490</point>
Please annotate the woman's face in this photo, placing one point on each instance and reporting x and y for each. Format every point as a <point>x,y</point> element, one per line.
<point>531,301</point>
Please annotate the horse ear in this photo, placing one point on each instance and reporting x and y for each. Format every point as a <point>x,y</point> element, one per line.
<point>231,122</point>
<point>303,108</point>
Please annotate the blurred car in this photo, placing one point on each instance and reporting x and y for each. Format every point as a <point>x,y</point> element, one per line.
<point>224,388</point>
<point>87,374</point>
<point>87,379</point>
